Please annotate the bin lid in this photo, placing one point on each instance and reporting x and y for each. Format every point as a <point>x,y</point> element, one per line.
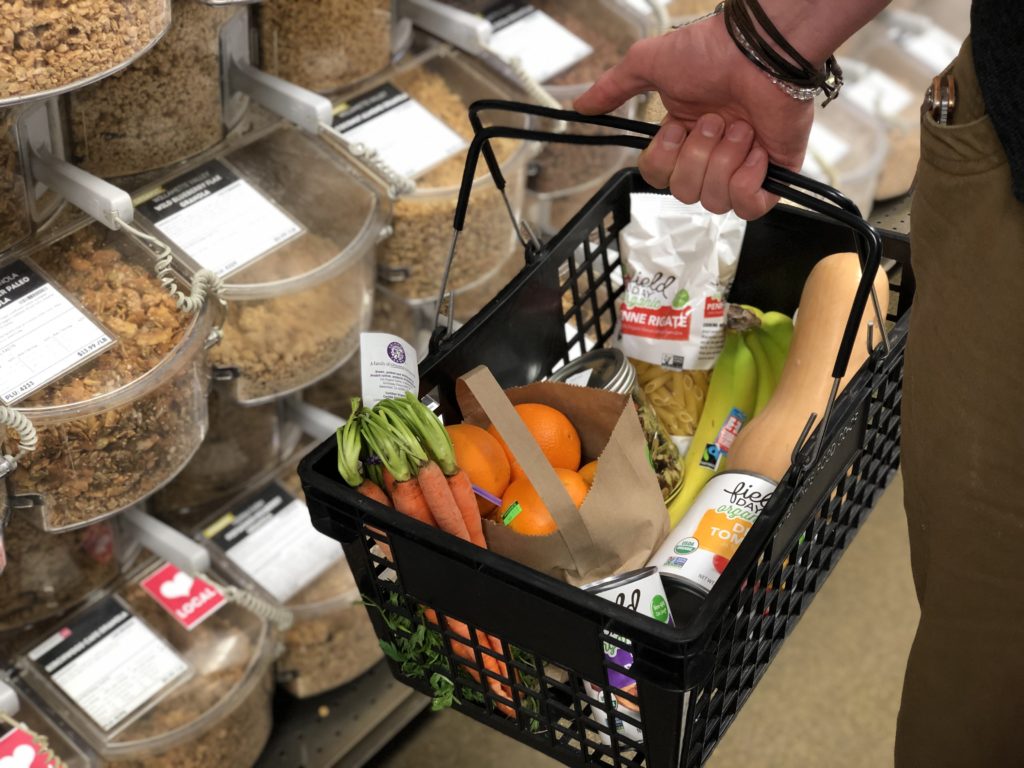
<point>121,334</point>
<point>152,664</point>
<point>271,213</point>
<point>26,727</point>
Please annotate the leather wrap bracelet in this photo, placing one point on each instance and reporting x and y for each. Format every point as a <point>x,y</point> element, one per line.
<point>776,57</point>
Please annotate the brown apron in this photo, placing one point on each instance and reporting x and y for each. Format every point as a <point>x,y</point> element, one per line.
<point>963,448</point>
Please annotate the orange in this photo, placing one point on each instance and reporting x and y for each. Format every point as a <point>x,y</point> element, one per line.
<point>554,433</point>
<point>534,518</point>
<point>587,472</point>
<point>483,459</point>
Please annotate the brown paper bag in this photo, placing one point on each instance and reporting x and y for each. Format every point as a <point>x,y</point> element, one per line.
<point>623,519</point>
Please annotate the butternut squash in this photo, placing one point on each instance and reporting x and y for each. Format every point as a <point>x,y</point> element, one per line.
<point>765,445</point>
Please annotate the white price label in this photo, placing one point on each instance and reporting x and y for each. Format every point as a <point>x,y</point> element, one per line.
<point>220,220</point>
<point>878,94</point>
<point>109,663</point>
<point>543,46</point>
<point>932,46</point>
<point>644,7</point>
<point>271,538</point>
<point>390,367</point>
<point>43,335</point>
<point>405,135</point>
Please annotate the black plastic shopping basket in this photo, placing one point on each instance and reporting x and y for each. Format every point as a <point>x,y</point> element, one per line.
<point>692,679</point>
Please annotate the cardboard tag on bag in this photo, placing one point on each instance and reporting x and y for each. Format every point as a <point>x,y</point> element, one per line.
<point>623,518</point>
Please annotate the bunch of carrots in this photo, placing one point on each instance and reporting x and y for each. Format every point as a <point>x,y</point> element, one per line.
<point>400,455</point>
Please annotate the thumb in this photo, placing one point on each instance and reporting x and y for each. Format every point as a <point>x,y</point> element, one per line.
<point>620,83</point>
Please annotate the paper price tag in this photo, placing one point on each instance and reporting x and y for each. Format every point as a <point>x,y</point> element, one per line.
<point>19,749</point>
<point>220,220</point>
<point>109,663</point>
<point>390,367</point>
<point>43,334</point>
<point>406,135</point>
<point>932,46</point>
<point>543,46</point>
<point>190,600</point>
<point>879,94</point>
<point>642,6</point>
<point>269,536</point>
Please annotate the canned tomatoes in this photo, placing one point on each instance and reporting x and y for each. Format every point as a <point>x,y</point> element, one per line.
<point>700,547</point>
<point>643,592</point>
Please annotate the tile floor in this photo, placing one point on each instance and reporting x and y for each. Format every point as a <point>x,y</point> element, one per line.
<point>830,697</point>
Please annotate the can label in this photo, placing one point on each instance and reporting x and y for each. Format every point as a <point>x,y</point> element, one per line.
<point>700,547</point>
<point>642,592</point>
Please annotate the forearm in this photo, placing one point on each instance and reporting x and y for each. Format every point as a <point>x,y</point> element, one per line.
<point>816,28</point>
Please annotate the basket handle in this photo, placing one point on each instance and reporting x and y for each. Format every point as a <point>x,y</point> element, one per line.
<point>787,184</point>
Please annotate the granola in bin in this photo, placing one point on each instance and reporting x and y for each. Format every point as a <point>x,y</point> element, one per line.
<point>89,466</point>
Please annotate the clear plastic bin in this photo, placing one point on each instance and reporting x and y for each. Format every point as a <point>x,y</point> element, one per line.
<point>412,260</point>
<point>847,150</point>
<point>32,715</point>
<point>164,108</point>
<point>219,715</point>
<point>332,640</point>
<point>50,574</point>
<point>563,177</point>
<point>15,220</point>
<point>120,426</point>
<point>325,45</point>
<point>413,320</point>
<point>295,313</point>
<point>242,443</point>
<point>47,47</point>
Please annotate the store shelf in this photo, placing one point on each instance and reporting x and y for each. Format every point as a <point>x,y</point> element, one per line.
<point>342,728</point>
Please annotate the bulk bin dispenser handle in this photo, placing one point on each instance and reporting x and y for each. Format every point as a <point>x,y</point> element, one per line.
<point>789,185</point>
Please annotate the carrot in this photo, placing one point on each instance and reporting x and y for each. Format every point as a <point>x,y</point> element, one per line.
<point>371,490</point>
<point>440,500</point>
<point>409,499</point>
<point>462,491</point>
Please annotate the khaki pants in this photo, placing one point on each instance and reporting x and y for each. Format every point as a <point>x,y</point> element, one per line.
<point>963,449</point>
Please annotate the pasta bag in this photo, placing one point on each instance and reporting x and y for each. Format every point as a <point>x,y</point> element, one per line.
<point>680,262</point>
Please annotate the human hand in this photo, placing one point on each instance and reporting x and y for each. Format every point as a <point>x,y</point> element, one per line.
<point>725,119</point>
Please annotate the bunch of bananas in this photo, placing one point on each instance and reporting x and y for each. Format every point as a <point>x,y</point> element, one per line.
<point>742,382</point>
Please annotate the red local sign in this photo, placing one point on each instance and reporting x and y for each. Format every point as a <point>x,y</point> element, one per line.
<point>19,750</point>
<point>188,599</point>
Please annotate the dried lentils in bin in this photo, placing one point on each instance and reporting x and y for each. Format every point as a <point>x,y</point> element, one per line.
<point>14,223</point>
<point>221,652</point>
<point>297,328</point>
<point>48,44</point>
<point>285,342</point>
<point>89,466</point>
<point>163,108</point>
<point>332,641</point>
<point>34,587</point>
<point>423,224</point>
<point>324,45</point>
<point>242,442</point>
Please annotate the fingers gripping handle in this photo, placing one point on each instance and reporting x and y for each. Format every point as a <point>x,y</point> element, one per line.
<point>787,184</point>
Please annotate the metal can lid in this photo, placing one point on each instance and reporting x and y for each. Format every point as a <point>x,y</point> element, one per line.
<point>620,579</point>
<point>610,370</point>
